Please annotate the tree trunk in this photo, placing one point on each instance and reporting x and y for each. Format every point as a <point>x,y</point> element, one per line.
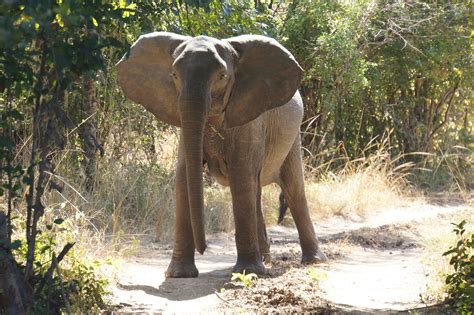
<point>15,294</point>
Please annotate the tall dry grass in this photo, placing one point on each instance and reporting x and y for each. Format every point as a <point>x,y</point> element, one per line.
<point>353,188</point>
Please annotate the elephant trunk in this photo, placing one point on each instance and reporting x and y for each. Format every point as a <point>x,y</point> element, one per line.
<point>192,123</point>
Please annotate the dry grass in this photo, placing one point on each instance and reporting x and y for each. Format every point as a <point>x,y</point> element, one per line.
<point>133,196</point>
<point>353,194</point>
<point>369,183</point>
<point>218,208</point>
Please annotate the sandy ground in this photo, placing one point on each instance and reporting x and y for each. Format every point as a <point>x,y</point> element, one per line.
<point>375,265</point>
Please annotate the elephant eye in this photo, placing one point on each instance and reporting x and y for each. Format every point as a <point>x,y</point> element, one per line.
<point>174,75</point>
<point>223,76</point>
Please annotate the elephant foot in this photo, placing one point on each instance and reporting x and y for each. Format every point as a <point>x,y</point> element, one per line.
<point>247,267</point>
<point>314,257</point>
<point>181,269</point>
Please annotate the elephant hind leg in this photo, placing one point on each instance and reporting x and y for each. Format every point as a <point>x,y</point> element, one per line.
<point>292,185</point>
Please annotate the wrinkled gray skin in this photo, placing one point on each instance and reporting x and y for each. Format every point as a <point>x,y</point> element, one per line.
<point>239,110</point>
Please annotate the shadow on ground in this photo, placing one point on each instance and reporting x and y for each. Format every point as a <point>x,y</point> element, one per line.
<point>182,289</point>
<point>397,236</point>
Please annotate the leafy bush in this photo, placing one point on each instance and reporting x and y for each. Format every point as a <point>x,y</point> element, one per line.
<point>87,288</point>
<point>62,283</point>
<point>461,281</point>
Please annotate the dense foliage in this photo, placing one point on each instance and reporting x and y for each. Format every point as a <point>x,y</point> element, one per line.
<point>402,68</point>
<point>47,48</point>
<point>394,72</point>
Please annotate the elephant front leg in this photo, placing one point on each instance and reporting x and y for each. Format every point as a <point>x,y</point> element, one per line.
<point>182,262</point>
<point>244,191</point>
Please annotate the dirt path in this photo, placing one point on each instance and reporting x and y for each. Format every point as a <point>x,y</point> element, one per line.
<point>375,265</point>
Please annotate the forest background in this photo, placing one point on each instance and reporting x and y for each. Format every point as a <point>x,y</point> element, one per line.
<point>388,101</point>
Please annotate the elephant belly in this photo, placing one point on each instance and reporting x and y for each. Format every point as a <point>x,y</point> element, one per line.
<point>282,127</point>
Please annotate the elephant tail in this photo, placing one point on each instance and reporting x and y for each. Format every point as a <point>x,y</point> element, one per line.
<point>283,208</point>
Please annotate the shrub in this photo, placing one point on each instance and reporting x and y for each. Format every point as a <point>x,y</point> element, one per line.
<point>461,281</point>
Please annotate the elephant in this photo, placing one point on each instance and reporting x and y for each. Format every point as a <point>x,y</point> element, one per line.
<point>237,104</point>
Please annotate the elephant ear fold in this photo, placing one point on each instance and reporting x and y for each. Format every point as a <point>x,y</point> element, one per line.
<point>267,76</point>
<point>144,74</point>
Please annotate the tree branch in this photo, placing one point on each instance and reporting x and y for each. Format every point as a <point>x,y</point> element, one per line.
<point>50,270</point>
<point>445,119</point>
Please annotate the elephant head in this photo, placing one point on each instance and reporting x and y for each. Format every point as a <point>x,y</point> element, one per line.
<point>184,81</point>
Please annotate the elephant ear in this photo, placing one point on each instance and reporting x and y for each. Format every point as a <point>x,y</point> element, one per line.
<point>267,76</point>
<point>144,74</point>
